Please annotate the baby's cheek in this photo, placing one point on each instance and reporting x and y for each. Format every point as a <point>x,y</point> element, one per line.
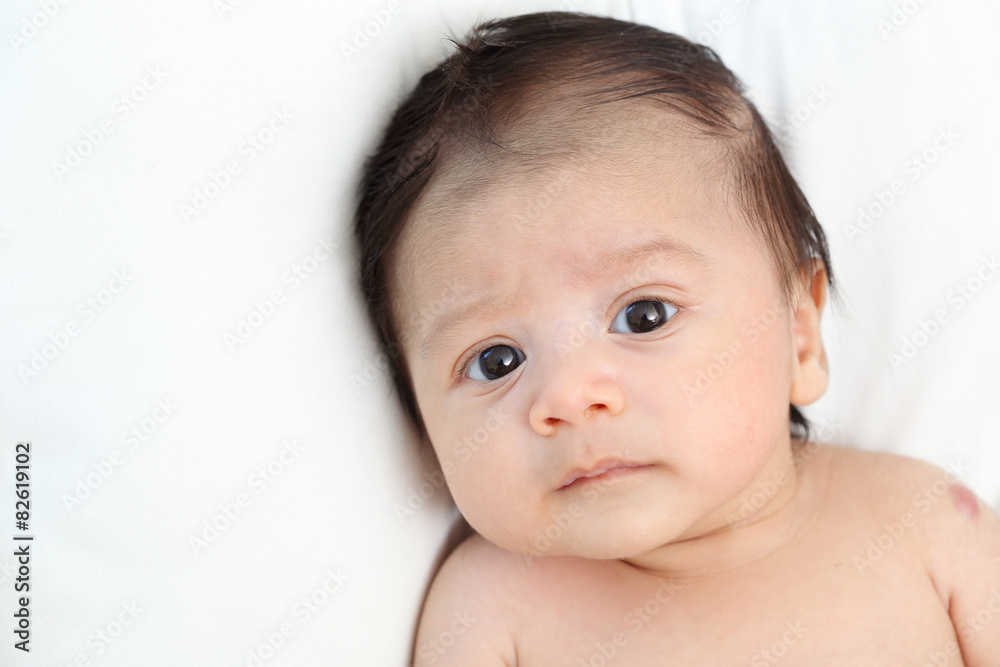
<point>491,493</point>
<point>731,360</point>
<point>762,355</point>
<point>746,406</point>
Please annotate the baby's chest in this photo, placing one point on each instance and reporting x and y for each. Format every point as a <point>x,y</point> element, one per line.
<point>834,617</point>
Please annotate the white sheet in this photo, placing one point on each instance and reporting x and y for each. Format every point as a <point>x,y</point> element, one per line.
<point>231,341</point>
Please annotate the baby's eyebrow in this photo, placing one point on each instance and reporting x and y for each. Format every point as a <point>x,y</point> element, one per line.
<point>619,261</point>
<point>657,247</point>
<point>442,333</point>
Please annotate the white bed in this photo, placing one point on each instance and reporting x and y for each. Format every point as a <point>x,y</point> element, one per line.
<point>218,465</point>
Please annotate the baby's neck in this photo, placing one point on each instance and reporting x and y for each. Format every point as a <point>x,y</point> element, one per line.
<point>755,535</point>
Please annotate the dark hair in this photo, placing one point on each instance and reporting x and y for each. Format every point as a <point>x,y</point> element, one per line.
<point>480,93</point>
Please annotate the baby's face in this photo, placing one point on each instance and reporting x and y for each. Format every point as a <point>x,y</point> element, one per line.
<point>532,367</point>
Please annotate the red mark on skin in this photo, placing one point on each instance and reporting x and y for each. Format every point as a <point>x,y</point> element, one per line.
<point>965,501</point>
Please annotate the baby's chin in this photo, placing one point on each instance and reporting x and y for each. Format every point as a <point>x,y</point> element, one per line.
<point>593,541</point>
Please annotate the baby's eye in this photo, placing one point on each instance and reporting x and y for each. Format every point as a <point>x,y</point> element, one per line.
<point>494,362</point>
<point>642,316</point>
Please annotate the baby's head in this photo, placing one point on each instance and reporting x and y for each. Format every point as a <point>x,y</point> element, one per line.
<point>581,250</point>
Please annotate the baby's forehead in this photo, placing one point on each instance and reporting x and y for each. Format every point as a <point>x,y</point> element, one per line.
<point>468,210</point>
<point>567,149</point>
<point>546,153</point>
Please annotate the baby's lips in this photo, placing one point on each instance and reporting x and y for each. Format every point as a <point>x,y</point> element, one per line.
<point>597,469</point>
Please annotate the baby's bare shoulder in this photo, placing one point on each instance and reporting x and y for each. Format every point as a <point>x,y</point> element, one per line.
<point>502,595</point>
<point>959,534</point>
<point>461,622</point>
<point>892,488</point>
<point>884,465</point>
<point>513,583</point>
<point>893,482</point>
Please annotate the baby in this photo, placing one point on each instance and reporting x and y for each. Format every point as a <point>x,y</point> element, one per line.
<point>602,290</point>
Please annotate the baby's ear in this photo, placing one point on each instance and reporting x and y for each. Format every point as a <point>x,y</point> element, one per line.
<point>809,370</point>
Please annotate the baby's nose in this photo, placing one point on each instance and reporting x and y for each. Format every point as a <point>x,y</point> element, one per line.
<point>576,385</point>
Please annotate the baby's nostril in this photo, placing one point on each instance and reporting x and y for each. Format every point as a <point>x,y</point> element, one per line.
<point>593,408</point>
